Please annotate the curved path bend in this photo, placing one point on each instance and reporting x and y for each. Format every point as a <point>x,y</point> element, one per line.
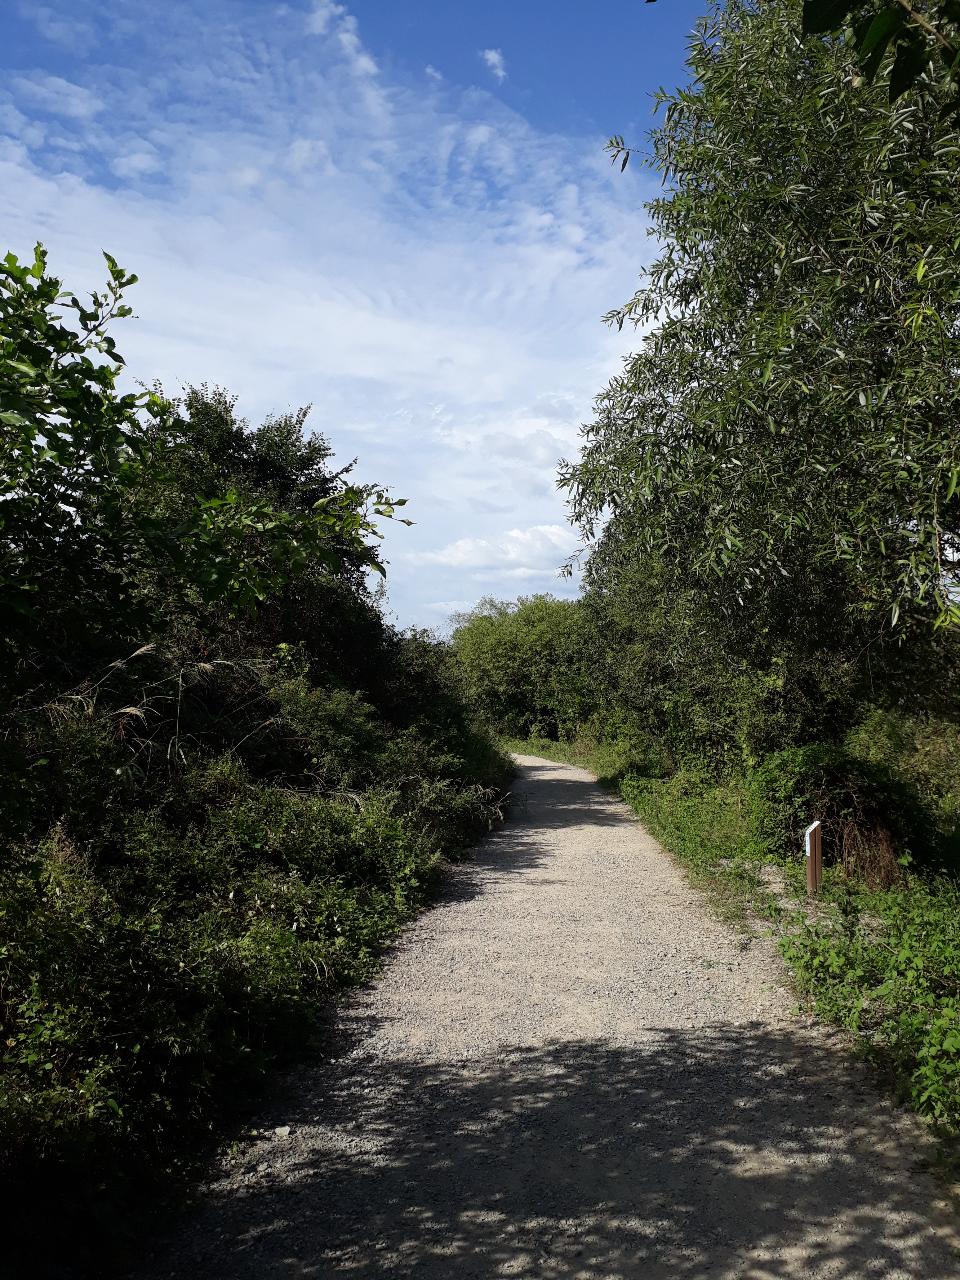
<point>569,1069</point>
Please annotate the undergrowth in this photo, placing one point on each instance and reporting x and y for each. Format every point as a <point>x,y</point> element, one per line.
<point>170,931</point>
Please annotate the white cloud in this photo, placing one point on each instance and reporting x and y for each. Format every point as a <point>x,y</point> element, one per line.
<point>517,551</point>
<point>446,607</point>
<point>328,18</point>
<point>14,124</point>
<point>306,153</point>
<point>414,259</point>
<point>322,15</point>
<point>57,27</point>
<point>432,72</point>
<point>495,63</point>
<point>135,164</point>
<point>58,96</point>
<point>359,59</point>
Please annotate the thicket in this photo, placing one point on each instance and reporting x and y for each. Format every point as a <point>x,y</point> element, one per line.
<point>522,667</point>
<point>224,779</point>
<point>768,495</point>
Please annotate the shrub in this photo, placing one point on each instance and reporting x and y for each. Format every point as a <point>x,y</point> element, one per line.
<point>889,969</point>
<point>924,752</point>
<point>872,821</point>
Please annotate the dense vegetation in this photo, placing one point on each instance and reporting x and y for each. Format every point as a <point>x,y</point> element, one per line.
<point>923,36</point>
<point>225,779</point>
<point>770,505</point>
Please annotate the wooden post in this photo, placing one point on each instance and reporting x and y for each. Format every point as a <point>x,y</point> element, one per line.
<point>814,847</point>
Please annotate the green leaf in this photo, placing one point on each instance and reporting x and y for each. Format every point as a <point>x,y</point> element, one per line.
<point>873,38</point>
<point>913,56</point>
<point>878,30</point>
<point>821,16</point>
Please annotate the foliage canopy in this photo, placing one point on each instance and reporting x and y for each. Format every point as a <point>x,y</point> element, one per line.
<point>790,419</point>
<point>917,32</point>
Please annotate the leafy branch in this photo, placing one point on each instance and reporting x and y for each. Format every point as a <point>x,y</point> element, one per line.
<point>912,30</point>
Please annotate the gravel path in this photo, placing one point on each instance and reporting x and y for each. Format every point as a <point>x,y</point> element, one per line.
<point>570,1069</point>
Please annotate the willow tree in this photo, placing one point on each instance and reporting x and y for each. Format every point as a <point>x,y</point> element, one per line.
<point>917,32</point>
<point>790,423</point>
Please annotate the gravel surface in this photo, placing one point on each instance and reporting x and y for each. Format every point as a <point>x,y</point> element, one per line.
<point>570,1069</point>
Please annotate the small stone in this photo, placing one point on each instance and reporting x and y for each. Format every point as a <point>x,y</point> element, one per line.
<point>282,1131</point>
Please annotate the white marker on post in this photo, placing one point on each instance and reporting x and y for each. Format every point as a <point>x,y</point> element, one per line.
<point>812,840</point>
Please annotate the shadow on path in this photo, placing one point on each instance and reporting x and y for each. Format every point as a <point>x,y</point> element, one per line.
<point>550,800</point>
<point>722,1152</point>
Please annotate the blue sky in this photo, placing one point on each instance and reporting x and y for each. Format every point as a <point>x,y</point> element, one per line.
<point>397,212</point>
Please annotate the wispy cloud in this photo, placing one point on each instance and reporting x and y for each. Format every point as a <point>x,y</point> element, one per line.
<point>322,15</point>
<point>410,256</point>
<point>328,18</point>
<point>60,28</point>
<point>495,63</point>
<point>57,96</point>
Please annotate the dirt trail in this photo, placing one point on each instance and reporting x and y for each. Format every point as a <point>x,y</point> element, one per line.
<point>570,1069</point>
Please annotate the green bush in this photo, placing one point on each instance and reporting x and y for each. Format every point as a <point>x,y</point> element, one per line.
<point>923,751</point>
<point>138,974</point>
<point>172,931</point>
<point>873,822</point>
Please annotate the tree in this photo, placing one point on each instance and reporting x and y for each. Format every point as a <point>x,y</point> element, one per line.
<point>523,665</point>
<point>786,438</point>
<point>99,533</point>
<point>917,33</point>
